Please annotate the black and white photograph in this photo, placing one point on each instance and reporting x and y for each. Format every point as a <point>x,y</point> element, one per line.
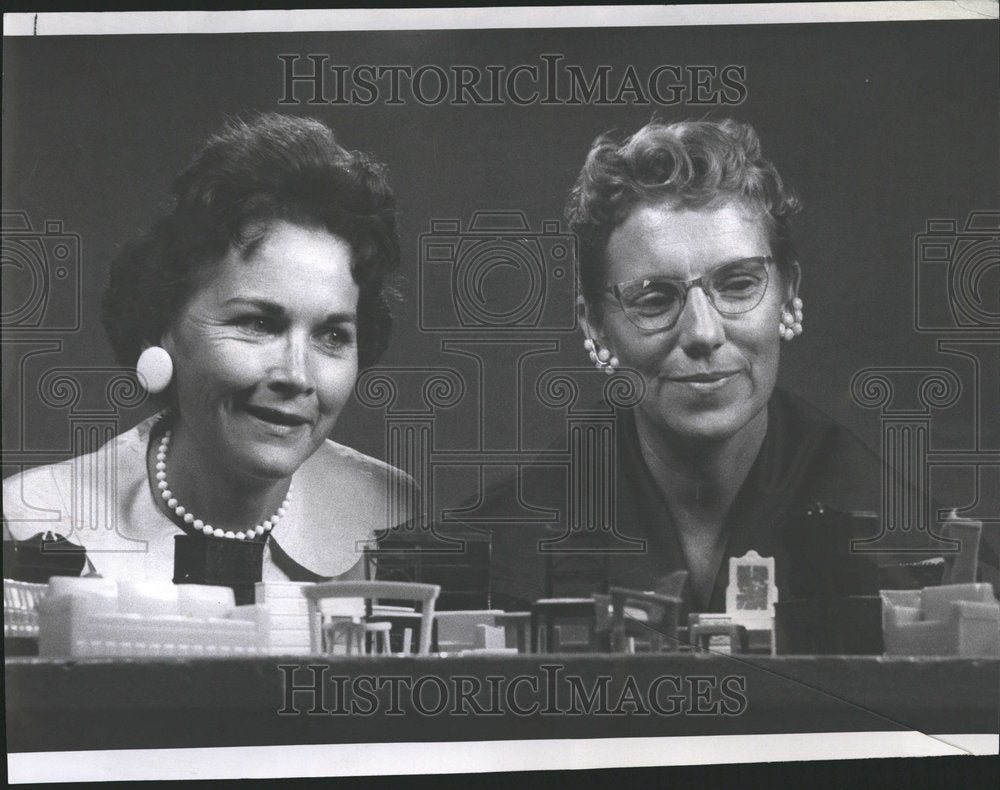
<point>472,391</point>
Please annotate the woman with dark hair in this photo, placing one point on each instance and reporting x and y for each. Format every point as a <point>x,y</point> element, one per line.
<point>689,279</point>
<point>248,312</point>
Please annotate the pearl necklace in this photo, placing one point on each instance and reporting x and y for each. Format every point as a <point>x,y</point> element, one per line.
<point>197,523</point>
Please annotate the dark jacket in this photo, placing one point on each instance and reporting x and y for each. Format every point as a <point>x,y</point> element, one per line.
<point>806,458</point>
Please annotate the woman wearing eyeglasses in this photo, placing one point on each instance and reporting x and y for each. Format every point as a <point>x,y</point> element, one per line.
<point>688,277</point>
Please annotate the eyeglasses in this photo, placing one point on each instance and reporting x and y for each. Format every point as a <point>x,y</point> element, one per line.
<point>655,303</point>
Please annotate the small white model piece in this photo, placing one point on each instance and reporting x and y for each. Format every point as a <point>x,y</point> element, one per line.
<point>948,620</point>
<point>465,631</point>
<point>20,608</point>
<point>960,617</point>
<point>751,595</point>
<point>95,617</point>
<point>288,617</point>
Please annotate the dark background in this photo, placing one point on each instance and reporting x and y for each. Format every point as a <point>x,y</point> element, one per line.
<point>880,127</point>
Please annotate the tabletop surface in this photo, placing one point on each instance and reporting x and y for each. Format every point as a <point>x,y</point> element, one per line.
<point>57,705</point>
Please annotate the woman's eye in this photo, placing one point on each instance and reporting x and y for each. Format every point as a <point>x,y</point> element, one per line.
<point>653,300</point>
<point>257,324</point>
<point>738,283</point>
<point>335,338</point>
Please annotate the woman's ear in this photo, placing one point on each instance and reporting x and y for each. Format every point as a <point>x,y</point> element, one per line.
<point>792,281</point>
<point>589,324</point>
<point>596,341</point>
<point>166,341</point>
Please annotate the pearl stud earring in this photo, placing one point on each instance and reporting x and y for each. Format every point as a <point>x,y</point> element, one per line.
<point>601,357</point>
<point>154,369</point>
<point>791,321</point>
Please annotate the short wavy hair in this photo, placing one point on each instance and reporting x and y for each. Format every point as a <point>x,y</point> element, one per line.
<point>272,168</point>
<point>696,163</point>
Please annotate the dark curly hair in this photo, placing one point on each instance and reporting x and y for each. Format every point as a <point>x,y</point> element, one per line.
<point>274,167</point>
<point>697,163</point>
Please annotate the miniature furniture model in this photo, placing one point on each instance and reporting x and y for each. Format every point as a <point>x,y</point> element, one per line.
<point>948,620</point>
<point>288,613</point>
<point>547,637</point>
<point>403,622</point>
<point>350,632</point>
<point>750,598</point>
<point>469,630</point>
<point>20,608</point>
<point>748,623</point>
<point>96,617</point>
<point>90,616</point>
<point>960,567</point>
<point>956,618</point>
<point>624,616</point>
<point>425,594</point>
<point>706,631</point>
<point>379,633</point>
<point>353,634</point>
<point>517,626</point>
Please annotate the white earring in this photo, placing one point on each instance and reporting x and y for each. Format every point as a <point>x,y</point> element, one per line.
<point>791,322</point>
<point>154,368</point>
<point>601,357</point>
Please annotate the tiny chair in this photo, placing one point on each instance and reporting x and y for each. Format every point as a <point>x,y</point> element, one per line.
<point>426,594</point>
<point>659,624</point>
<point>546,636</point>
<point>350,630</point>
<point>701,634</point>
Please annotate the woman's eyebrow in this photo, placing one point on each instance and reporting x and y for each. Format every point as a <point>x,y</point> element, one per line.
<point>264,305</point>
<point>717,265</point>
<point>341,318</point>
<point>272,308</point>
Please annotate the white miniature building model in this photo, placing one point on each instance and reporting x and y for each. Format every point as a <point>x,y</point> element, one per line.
<point>20,608</point>
<point>95,617</point>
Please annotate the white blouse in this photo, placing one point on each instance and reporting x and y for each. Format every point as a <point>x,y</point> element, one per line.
<point>103,501</point>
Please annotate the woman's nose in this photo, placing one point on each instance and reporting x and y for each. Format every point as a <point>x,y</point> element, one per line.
<point>701,326</point>
<point>290,372</point>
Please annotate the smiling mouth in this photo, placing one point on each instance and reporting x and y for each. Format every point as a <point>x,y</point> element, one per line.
<point>276,417</point>
<point>705,378</point>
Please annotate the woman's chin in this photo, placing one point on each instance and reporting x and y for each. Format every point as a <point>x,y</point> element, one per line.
<point>707,426</point>
<point>270,466</point>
